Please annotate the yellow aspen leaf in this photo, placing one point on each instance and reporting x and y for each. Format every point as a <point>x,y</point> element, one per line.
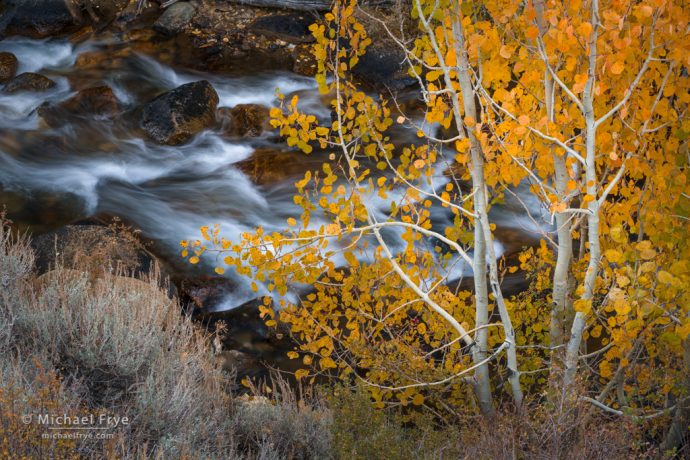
<point>587,198</point>
<point>585,29</point>
<point>418,400</point>
<point>571,185</point>
<point>582,305</point>
<point>558,207</point>
<point>505,52</point>
<point>301,373</point>
<point>665,277</point>
<point>523,120</point>
<point>194,260</point>
<point>617,68</point>
<point>419,164</point>
<point>613,255</point>
<point>647,254</point>
<point>421,328</point>
<point>327,363</point>
<point>293,354</point>
<point>469,121</point>
<point>291,221</point>
<point>400,120</point>
<point>532,32</point>
<point>220,270</point>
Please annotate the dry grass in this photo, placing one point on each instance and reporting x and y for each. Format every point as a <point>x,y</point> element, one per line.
<point>106,342</point>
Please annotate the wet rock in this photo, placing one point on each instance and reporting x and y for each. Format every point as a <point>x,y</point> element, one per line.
<point>29,81</point>
<point>237,361</point>
<point>383,65</point>
<point>206,293</point>
<point>176,116</point>
<point>39,18</point>
<point>94,248</point>
<point>97,11</point>
<point>244,120</point>
<point>293,28</point>
<point>8,66</point>
<point>99,101</point>
<point>268,166</point>
<point>104,60</point>
<point>304,60</point>
<point>175,18</point>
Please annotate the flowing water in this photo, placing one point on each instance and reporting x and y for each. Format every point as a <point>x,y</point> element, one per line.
<point>50,177</point>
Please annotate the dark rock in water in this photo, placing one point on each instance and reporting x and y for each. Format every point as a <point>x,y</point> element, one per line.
<point>99,101</point>
<point>176,116</point>
<point>8,66</point>
<point>28,81</point>
<point>293,28</point>
<point>383,65</point>
<point>243,327</point>
<point>98,11</point>
<point>237,361</point>
<point>245,120</point>
<point>91,248</point>
<point>268,166</point>
<point>206,293</point>
<point>39,18</point>
<point>304,60</point>
<point>175,18</point>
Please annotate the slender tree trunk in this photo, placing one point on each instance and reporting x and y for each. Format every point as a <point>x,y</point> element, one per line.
<point>580,320</point>
<point>483,384</point>
<point>481,211</point>
<point>481,297</point>
<point>564,252</point>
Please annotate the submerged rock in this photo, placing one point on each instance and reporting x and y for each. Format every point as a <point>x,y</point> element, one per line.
<point>175,18</point>
<point>29,81</point>
<point>176,116</point>
<point>245,120</point>
<point>293,28</point>
<point>99,101</point>
<point>8,66</point>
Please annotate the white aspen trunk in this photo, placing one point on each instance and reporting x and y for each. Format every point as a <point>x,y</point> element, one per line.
<point>564,251</point>
<point>481,375</point>
<point>580,320</point>
<point>481,212</point>
<point>480,348</point>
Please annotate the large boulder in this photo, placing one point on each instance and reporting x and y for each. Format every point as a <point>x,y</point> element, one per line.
<point>293,28</point>
<point>8,66</point>
<point>28,81</point>
<point>383,66</point>
<point>99,101</point>
<point>175,18</point>
<point>39,18</point>
<point>176,116</point>
<point>244,120</point>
